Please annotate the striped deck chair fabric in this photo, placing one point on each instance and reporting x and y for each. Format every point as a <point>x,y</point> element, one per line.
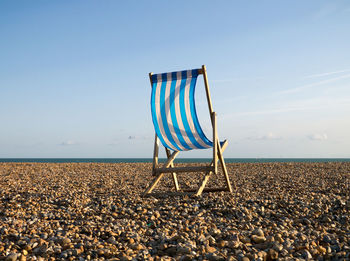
<point>174,112</point>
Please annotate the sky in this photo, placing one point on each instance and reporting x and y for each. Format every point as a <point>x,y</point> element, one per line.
<point>74,75</point>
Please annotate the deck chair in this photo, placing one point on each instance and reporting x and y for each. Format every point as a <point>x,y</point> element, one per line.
<point>177,128</point>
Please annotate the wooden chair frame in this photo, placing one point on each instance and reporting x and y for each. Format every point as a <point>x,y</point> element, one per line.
<point>168,167</point>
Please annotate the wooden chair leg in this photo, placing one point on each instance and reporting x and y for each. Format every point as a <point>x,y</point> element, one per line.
<point>155,154</point>
<point>214,162</point>
<point>204,182</point>
<point>207,176</point>
<point>215,141</point>
<point>153,184</point>
<point>176,184</point>
<point>155,165</point>
<point>223,165</point>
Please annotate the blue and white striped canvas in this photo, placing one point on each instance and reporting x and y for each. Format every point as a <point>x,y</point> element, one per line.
<point>174,112</point>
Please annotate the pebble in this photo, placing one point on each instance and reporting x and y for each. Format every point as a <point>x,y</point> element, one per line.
<point>258,239</point>
<point>322,250</point>
<point>11,257</point>
<point>186,258</point>
<point>95,211</point>
<point>272,254</point>
<point>258,232</point>
<point>306,254</point>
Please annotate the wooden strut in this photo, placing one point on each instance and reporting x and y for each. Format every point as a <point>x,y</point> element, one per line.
<point>170,156</point>
<point>215,154</point>
<point>185,169</point>
<point>168,166</point>
<point>155,155</point>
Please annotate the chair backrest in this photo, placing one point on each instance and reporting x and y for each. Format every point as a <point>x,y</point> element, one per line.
<point>174,112</point>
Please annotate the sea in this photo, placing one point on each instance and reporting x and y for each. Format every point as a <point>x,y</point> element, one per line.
<point>180,160</point>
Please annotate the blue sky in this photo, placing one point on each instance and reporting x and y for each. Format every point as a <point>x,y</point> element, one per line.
<point>74,75</point>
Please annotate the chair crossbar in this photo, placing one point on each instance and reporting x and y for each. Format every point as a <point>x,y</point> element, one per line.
<point>185,169</point>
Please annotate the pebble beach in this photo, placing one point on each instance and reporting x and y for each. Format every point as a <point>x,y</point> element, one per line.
<point>96,211</point>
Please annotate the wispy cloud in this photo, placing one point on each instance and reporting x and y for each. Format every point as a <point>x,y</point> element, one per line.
<point>121,140</point>
<point>307,86</point>
<point>268,136</point>
<point>223,81</point>
<point>325,74</point>
<point>317,136</point>
<point>69,143</point>
<point>317,103</point>
<point>133,137</point>
<point>326,10</point>
<point>271,111</point>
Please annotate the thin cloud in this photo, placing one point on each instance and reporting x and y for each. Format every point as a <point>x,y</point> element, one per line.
<point>271,111</point>
<point>121,141</point>
<point>307,86</point>
<point>268,136</point>
<point>303,105</point>
<point>325,74</point>
<point>132,137</point>
<point>326,10</point>
<point>68,143</point>
<point>223,81</point>
<point>318,136</point>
